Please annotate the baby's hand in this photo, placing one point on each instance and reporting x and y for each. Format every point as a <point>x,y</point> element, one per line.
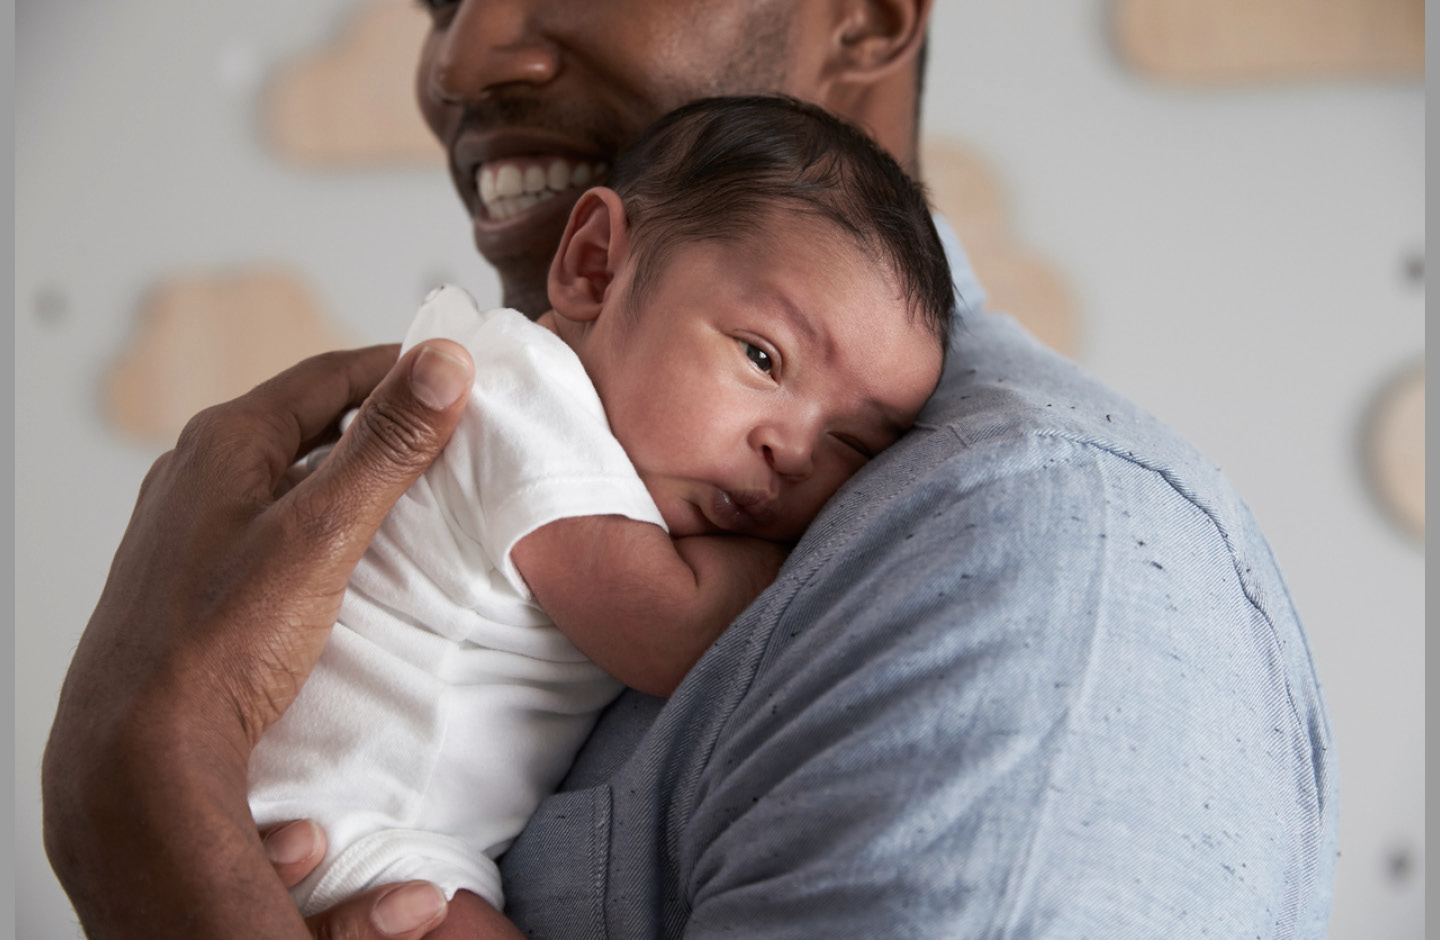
<point>745,565</point>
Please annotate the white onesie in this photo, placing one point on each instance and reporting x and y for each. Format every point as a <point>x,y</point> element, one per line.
<point>446,704</point>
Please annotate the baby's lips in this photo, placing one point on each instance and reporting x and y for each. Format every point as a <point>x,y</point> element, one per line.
<point>728,514</point>
<point>743,510</point>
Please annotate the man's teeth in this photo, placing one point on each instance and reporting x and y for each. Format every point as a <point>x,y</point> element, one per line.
<point>509,187</point>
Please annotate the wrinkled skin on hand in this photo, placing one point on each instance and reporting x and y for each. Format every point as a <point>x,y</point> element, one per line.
<point>218,603</point>
<point>220,531</point>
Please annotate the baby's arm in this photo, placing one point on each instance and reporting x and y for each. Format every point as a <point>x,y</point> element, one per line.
<point>641,605</point>
<point>470,917</point>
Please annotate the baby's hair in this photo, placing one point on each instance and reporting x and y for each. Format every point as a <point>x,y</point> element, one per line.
<point>716,167</point>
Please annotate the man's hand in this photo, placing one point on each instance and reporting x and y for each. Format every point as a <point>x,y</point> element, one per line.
<point>403,911</point>
<point>391,912</point>
<point>218,603</point>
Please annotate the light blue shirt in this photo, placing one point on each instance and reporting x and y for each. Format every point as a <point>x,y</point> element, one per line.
<point>1032,673</point>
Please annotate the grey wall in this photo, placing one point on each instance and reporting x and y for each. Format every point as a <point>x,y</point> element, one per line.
<point>1238,259</point>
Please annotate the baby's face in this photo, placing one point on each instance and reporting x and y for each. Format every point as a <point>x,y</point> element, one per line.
<point>757,376</point>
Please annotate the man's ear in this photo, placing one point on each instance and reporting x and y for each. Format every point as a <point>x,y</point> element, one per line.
<point>594,247</point>
<point>871,38</point>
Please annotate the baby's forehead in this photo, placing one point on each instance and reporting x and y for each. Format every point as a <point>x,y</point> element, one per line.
<point>832,279</point>
<point>847,250</point>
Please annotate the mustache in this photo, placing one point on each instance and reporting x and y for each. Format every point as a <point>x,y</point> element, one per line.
<point>595,127</point>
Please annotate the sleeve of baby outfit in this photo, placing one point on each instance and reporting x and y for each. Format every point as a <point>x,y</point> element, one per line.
<point>534,445</point>
<point>1070,721</point>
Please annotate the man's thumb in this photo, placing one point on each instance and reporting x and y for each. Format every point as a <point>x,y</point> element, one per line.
<point>391,912</point>
<point>440,373</point>
<point>398,432</point>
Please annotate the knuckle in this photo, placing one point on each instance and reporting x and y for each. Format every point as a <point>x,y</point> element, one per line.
<point>216,430</point>
<point>208,451</point>
<point>229,442</point>
<point>337,924</point>
<point>159,471</point>
<point>400,437</point>
<point>199,431</point>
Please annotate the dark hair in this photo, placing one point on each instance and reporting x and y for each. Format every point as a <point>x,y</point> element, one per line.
<point>715,167</point>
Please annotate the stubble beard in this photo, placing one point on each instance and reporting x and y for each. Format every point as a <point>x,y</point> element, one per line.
<point>526,291</point>
<point>759,66</point>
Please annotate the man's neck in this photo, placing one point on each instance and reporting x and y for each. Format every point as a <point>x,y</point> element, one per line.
<point>530,299</point>
<point>886,109</point>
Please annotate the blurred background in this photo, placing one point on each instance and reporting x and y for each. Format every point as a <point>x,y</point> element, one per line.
<point>1214,205</point>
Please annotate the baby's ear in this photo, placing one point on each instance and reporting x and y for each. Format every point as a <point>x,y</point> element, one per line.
<point>592,251</point>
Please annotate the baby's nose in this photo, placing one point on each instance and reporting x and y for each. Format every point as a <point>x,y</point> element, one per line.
<point>790,458</point>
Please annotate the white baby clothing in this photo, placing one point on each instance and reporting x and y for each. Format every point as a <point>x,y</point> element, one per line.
<point>446,704</point>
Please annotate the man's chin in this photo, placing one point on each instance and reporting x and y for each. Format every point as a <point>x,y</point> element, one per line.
<point>526,296</point>
<point>523,279</point>
<point>521,248</point>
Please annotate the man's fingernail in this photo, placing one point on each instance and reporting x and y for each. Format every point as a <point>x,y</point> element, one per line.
<point>291,843</point>
<point>408,907</point>
<point>438,378</point>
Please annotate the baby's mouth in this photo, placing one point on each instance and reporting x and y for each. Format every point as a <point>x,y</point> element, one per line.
<point>510,186</point>
<point>741,511</point>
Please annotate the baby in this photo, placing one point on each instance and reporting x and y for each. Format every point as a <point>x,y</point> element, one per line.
<point>756,306</point>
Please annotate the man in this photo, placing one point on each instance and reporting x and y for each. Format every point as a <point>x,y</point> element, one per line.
<point>1033,673</point>
<point>523,83</point>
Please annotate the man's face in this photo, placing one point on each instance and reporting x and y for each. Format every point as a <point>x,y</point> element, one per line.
<point>753,377</point>
<point>534,98</point>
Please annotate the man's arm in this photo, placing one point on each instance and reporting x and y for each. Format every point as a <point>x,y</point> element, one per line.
<point>219,600</point>
<point>641,605</point>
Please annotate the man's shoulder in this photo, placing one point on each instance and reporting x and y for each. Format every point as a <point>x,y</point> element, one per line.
<point>1032,492</point>
<point>1002,385</point>
<point>1044,598</point>
<point>1033,655</point>
<point>1014,421</point>
<point>1018,650</point>
<point>1024,469</point>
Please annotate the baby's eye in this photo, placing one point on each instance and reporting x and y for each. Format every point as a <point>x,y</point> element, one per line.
<point>758,357</point>
<point>857,445</point>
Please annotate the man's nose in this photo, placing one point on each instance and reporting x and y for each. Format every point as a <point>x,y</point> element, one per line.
<point>489,44</point>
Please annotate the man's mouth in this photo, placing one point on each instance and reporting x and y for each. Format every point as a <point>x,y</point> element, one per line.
<point>512,185</point>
